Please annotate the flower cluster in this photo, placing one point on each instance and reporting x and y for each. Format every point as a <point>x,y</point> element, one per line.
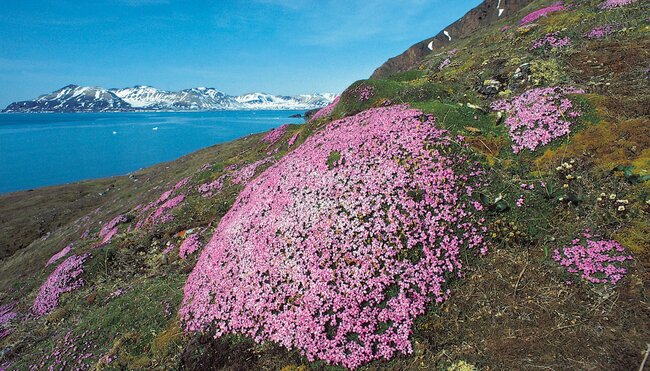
<point>6,315</point>
<point>444,64</point>
<point>65,278</point>
<point>538,116</point>
<point>533,16</point>
<point>243,175</point>
<point>338,247</point>
<point>275,134</point>
<point>611,4</point>
<point>292,140</point>
<point>158,215</point>
<point>59,255</point>
<point>326,111</point>
<point>190,245</point>
<point>551,41</point>
<point>215,186</point>
<point>70,352</point>
<point>365,92</point>
<point>598,261</point>
<point>110,229</point>
<point>600,32</point>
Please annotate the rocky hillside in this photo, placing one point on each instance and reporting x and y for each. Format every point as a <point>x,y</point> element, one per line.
<point>487,207</point>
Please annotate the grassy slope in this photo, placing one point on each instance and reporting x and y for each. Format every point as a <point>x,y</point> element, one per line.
<point>514,309</point>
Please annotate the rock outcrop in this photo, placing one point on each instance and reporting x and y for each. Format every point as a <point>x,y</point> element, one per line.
<point>485,14</point>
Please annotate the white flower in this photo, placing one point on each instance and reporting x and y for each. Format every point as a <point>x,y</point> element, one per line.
<point>621,208</point>
<point>612,196</point>
<point>599,199</point>
<point>565,186</point>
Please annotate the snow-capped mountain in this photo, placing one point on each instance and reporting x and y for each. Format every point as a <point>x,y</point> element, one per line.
<point>73,98</point>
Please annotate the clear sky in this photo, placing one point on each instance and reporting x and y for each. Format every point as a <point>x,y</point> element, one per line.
<point>274,46</point>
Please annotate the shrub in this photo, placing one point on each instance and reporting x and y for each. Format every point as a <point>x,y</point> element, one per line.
<point>538,116</point>
<point>533,16</point>
<point>65,278</point>
<point>275,134</point>
<point>597,261</point>
<point>339,261</point>
<point>59,255</point>
<point>612,4</point>
<point>326,111</point>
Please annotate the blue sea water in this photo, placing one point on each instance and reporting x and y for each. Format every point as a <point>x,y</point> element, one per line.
<point>48,149</point>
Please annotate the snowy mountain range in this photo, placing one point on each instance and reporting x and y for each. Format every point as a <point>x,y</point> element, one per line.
<point>73,98</point>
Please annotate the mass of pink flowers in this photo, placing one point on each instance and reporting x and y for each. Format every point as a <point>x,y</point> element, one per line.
<point>551,41</point>
<point>162,209</point>
<point>538,116</point>
<point>110,229</point>
<point>597,261</point>
<point>71,352</point>
<point>275,134</point>
<point>243,175</point>
<point>600,32</point>
<point>611,4</point>
<point>6,315</point>
<point>65,278</point>
<point>339,246</point>
<point>533,16</point>
<point>59,255</point>
<point>324,112</point>
<point>190,245</point>
<point>444,64</point>
<point>293,139</point>
<point>365,92</point>
<point>213,187</point>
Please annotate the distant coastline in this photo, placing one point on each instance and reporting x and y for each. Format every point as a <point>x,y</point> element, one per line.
<point>142,98</point>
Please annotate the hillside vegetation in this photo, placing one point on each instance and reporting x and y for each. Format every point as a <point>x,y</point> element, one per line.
<point>487,209</point>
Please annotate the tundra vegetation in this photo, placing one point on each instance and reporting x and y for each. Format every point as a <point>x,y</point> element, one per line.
<point>488,208</point>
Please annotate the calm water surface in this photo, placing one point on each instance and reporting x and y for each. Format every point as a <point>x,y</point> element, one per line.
<point>47,149</point>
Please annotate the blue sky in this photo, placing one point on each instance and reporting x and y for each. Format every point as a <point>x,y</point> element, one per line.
<point>274,46</point>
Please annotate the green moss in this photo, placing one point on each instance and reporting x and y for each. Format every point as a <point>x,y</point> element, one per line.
<point>461,119</point>
<point>547,72</point>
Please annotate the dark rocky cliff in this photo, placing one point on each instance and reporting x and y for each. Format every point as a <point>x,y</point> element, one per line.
<point>481,16</point>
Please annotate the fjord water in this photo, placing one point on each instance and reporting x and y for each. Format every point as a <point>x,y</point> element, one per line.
<point>38,150</point>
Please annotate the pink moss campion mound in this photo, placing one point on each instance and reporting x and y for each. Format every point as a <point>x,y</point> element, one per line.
<point>533,16</point>
<point>444,64</point>
<point>189,246</point>
<point>108,228</point>
<point>65,278</point>
<point>612,4</point>
<point>338,247</point>
<point>213,187</point>
<point>292,140</point>
<point>326,111</point>
<point>364,92</point>
<point>243,175</point>
<point>551,41</point>
<point>538,116</point>
<point>7,314</point>
<point>59,255</point>
<point>597,261</point>
<point>601,32</point>
<point>275,134</point>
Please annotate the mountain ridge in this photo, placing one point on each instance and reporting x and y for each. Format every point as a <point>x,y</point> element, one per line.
<point>75,98</point>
